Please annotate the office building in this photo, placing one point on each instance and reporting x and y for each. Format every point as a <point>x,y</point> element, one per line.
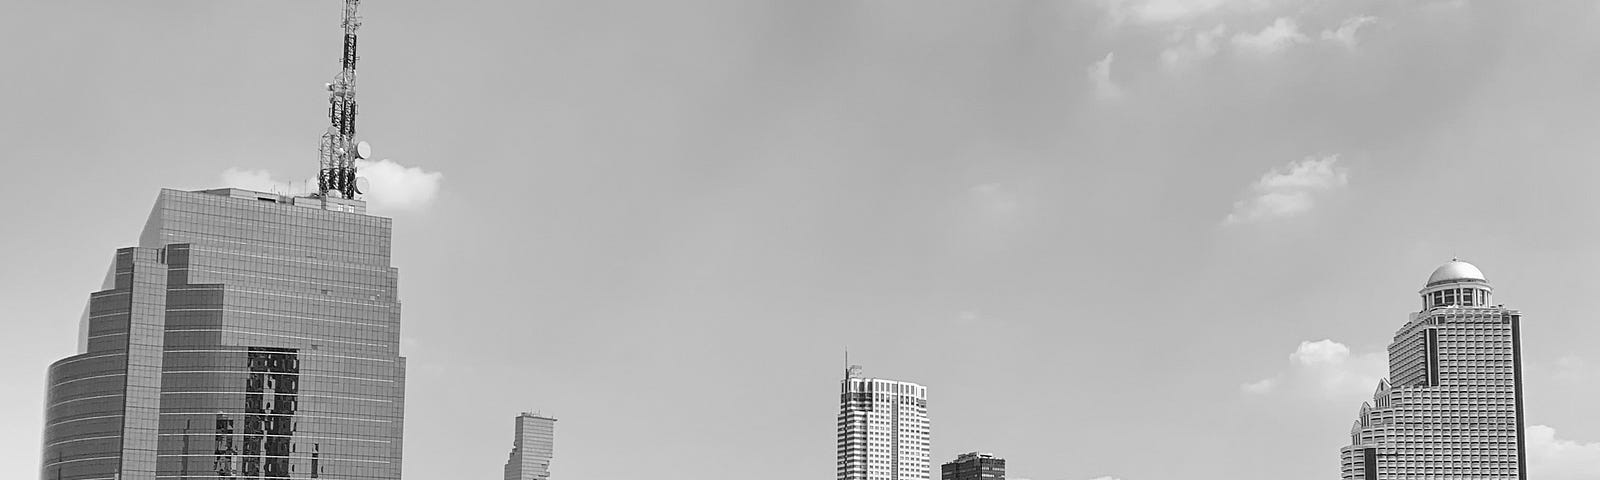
<point>974,466</point>
<point>883,429</point>
<point>532,448</point>
<point>1452,406</point>
<point>248,335</point>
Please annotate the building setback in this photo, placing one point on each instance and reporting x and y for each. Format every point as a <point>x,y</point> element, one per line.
<point>1452,407</point>
<point>532,449</point>
<point>249,335</point>
<point>883,429</point>
<point>974,466</point>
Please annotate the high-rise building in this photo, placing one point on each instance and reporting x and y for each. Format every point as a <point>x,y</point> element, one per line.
<point>1452,406</point>
<point>883,429</point>
<point>533,448</point>
<point>249,335</point>
<point>974,466</point>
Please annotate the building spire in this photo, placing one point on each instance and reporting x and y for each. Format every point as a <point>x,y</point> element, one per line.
<point>340,150</point>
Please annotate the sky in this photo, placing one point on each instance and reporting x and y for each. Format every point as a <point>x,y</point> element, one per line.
<point>1116,239</point>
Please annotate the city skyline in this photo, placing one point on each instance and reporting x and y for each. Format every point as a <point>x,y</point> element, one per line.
<point>1092,200</point>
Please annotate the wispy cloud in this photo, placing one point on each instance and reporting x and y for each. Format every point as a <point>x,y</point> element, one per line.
<point>994,199</point>
<point>1289,191</point>
<point>263,181</point>
<point>1145,12</point>
<point>1324,369</point>
<point>1188,49</point>
<point>1551,458</point>
<point>1100,76</point>
<point>1279,36</point>
<point>1345,34</point>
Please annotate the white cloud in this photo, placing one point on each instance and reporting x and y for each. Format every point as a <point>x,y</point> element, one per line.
<point>391,186</point>
<point>1100,76</point>
<point>1188,49</point>
<point>1551,458</point>
<point>1282,34</point>
<point>1170,11</point>
<point>396,187</point>
<point>1325,369</point>
<point>994,199</point>
<point>1346,33</point>
<point>1289,191</point>
<point>1260,387</point>
<point>260,181</point>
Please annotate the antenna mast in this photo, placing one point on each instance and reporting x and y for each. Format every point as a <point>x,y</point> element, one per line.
<point>340,150</point>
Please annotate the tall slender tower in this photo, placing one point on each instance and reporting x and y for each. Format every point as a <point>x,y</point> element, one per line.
<point>1452,407</point>
<point>532,449</point>
<point>883,429</point>
<point>340,150</point>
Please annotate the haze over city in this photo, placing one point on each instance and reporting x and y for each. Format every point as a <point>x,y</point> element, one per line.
<point>1115,239</point>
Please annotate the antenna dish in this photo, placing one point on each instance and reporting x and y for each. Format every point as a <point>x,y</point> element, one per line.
<point>362,184</point>
<point>363,150</point>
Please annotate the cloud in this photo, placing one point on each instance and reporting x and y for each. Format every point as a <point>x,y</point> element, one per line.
<point>260,181</point>
<point>1188,49</point>
<point>396,187</point>
<point>1100,76</point>
<point>1290,191</point>
<point>391,186</point>
<point>1346,33</point>
<point>994,199</point>
<point>1169,11</point>
<point>1324,369</point>
<point>1260,387</point>
<point>1551,458</point>
<point>1282,34</point>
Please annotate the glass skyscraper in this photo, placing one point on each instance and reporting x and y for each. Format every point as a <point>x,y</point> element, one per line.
<point>1452,407</point>
<point>532,448</point>
<point>248,335</point>
<point>883,429</point>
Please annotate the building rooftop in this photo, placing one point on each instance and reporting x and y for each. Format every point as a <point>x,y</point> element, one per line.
<point>1455,271</point>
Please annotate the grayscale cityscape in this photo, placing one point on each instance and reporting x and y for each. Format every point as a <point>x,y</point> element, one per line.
<point>1035,240</point>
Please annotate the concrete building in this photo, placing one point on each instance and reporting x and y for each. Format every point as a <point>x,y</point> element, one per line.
<point>1452,406</point>
<point>974,466</point>
<point>248,335</point>
<point>532,449</point>
<point>883,429</point>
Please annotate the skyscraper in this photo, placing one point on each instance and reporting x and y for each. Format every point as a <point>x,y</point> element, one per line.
<point>883,429</point>
<point>249,335</point>
<point>974,466</point>
<point>532,449</point>
<point>1452,407</point>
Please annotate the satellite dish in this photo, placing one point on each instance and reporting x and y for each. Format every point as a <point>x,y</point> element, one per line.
<point>362,184</point>
<point>363,150</point>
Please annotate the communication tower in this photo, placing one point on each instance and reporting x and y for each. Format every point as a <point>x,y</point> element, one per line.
<point>340,149</point>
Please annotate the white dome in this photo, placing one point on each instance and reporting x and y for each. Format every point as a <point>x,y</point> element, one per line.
<point>1456,271</point>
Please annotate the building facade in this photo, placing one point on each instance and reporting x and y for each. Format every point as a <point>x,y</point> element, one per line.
<point>532,449</point>
<point>1452,406</point>
<point>883,429</point>
<point>974,466</point>
<point>249,335</point>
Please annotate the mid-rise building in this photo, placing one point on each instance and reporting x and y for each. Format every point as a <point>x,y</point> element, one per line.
<point>1452,406</point>
<point>249,335</point>
<point>883,429</point>
<point>532,449</point>
<point>974,466</point>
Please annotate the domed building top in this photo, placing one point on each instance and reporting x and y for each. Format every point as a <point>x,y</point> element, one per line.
<point>1455,271</point>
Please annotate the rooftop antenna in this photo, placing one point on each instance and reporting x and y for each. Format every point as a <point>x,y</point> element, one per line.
<point>340,150</point>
